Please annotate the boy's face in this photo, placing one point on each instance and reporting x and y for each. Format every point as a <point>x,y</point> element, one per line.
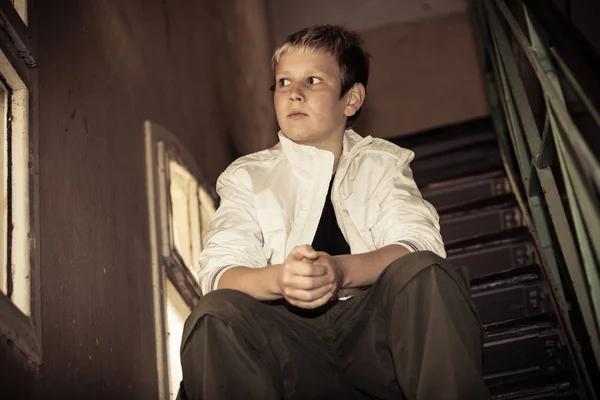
<point>307,98</point>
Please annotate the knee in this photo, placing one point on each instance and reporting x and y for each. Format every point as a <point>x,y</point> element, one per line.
<point>226,305</point>
<point>409,268</point>
<point>220,301</point>
<point>405,268</point>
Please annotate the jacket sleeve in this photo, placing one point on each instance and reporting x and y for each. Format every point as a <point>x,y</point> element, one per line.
<point>235,238</point>
<point>405,218</point>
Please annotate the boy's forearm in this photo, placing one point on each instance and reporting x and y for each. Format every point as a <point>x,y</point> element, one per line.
<point>363,269</point>
<point>261,283</point>
<point>358,270</point>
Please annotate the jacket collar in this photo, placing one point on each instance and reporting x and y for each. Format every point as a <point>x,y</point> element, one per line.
<point>299,154</point>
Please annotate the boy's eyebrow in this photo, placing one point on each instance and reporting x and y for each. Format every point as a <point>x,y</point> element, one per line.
<point>308,72</point>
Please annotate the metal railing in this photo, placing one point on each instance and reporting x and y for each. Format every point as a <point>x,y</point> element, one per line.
<point>566,232</point>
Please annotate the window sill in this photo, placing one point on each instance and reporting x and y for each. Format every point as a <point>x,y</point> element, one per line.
<point>17,331</point>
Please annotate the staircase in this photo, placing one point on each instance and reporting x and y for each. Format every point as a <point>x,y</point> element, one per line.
<point>527,354</point>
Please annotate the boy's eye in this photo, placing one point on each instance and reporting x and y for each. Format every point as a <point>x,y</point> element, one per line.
<point>313,80</point>
<point>284,82</point>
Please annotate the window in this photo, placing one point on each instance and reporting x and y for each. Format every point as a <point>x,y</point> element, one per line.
<point>180,211</point>
<point>185,213</point>
<point>15,244</point>
<point>21,9</point>
<point>19,254</point>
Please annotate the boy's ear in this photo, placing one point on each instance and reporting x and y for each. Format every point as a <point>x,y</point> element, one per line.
<point>354,99</point>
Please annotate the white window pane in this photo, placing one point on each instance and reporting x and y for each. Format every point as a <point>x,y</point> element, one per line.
<point>177,312</point>
<point>184,212</point>
<point>21,8</point>
<point>4,203</point>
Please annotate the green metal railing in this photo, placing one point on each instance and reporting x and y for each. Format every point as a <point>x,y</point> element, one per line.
<point>566,232</point>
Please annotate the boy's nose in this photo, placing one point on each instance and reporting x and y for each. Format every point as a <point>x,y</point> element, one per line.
<point>296,94</point>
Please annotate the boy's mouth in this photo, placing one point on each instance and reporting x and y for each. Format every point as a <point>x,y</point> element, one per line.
<point>296,115</point>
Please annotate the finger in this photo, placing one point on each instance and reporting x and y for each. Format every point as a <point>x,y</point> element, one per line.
<point>302,268</point>
<point>308,282</point>
<point>312,304</point>
<point>292,294</point>
<point>304,251</point>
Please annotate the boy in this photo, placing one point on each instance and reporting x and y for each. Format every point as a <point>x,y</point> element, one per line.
<point>328,263</point>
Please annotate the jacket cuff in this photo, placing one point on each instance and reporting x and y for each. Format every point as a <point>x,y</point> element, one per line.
<point>210,281</point>
<point>409,245</point>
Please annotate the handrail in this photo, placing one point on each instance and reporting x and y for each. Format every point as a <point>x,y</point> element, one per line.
<point>569,242</point>
<point>578,145</point>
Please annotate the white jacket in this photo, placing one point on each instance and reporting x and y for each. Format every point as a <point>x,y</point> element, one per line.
<point>271,201</point>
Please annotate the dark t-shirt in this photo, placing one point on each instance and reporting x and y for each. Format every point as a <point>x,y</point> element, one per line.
<point>329,237</point>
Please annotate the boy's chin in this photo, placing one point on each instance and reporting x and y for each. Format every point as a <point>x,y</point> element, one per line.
<point>308,137</point>
<point>301,137</point>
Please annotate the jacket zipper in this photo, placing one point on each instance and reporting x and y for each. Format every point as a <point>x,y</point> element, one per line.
<point>339,186</point>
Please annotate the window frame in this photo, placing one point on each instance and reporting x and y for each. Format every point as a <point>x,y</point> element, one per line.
<point>161,146</point>
<point>20,326</point>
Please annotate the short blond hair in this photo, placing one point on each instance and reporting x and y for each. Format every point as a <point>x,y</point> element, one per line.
<point>347,47</point>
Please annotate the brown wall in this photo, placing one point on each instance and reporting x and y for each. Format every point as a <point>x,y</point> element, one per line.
<point>288,16</point>
<point>105,67</point>
<point>17,376</point>
<point>424,74</point>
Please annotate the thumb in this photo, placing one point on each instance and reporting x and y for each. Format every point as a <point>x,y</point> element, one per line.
<point>304,252</point>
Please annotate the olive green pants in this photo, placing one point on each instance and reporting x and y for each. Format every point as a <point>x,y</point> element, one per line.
<point>413,335</point>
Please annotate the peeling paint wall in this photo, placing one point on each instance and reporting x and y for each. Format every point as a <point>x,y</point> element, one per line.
<point>104,67</point>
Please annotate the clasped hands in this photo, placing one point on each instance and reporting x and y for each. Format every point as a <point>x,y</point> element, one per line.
<point>309,278</point>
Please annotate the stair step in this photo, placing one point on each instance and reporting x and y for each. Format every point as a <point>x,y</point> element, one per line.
<point>440,148</point>
<point>457,193</point>
<point>546,395</point>
<point>440,140</point>
<point>572,395</point>
<point>523,354</point>
<point>491,258</point>
<point>553,385</point>
<point>469,225</point>
<point>507,330</point>
<point>526,298</point>
<point>524,357</point>
<point>455,164</point>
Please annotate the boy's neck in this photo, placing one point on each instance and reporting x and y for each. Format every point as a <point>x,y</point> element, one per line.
<point>336,149</point>
<point>333,145</point>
